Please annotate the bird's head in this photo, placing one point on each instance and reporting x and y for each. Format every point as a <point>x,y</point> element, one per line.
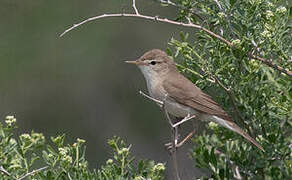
<point>154,63</point>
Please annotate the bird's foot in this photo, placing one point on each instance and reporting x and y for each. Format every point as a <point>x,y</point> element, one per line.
<point>169,146</point>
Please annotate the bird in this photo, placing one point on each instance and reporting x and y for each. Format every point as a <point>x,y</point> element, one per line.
<point>181,97</point>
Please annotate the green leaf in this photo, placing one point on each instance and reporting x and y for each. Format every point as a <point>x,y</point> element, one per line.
<point>213,157</point>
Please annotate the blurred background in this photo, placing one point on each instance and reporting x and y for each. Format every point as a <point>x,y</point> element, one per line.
<point>79,84</point>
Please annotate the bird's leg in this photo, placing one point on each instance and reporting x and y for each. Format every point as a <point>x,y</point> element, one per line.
<point>169,146</point>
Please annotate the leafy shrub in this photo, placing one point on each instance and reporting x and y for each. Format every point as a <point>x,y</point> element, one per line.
<point>258,96</point>
<point>30,156</point>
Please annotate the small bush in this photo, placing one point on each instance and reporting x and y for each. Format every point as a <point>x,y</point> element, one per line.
<point>30,156</point>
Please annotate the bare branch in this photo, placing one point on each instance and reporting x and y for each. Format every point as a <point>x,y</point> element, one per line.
<point>189,24</point>
<point>33,172</point>
<point>168,2</point>
<point>191,11</point>
<point>174,130</point>
<point>69,176</point>
<point>174,137</point>
<point>134,7</point>
<point>164,20</point>
<point>185,119</point>
<point>151,98</point>
<point>6,172</point>
<point>269,63</point>
<point>219,5</point>
<point>186,138</point>
<point>169,146</point>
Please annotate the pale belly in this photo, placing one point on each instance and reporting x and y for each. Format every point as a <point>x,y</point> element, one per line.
<point>179,110</point>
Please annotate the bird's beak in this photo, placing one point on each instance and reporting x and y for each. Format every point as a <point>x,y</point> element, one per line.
<point>132,62</point>
<point>137,62</point>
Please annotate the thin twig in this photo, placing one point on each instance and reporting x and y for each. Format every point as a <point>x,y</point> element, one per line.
<point>6,172</point>
<point>174,137</point>
<point>134,7</point>
<point>69,176</point>
<point>151,98</point>
<point>33,172</point>
<point>186,138</point>
<point>192,11</point>
<point>185,119</point>
<point>168,2</point>
<point>165,20</point>
<point>270,63</point>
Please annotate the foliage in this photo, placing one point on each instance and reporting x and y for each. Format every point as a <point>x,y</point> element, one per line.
<point>30,156</point>
<point>258,97</point>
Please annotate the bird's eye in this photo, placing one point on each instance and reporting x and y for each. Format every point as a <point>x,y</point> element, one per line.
<point>152,62</point>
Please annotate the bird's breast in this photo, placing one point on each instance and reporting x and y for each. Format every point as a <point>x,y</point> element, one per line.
<point>154,85</point>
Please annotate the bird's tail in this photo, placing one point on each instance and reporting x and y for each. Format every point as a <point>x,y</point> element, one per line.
<point>232,126</point>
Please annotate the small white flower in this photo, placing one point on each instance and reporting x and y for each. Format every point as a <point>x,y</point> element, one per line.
<point>63,151</point>
<point>213,125</point>
<point>81,141</point>
<point>109,161</point>
<point>281,10</point>
<point>10,120</point>
<point>25,136</point>
<point>67,159</point>
<point>266,34</point>
<point>270,4</point>
<point>269,14</point>
<point>221,15</point>
<point>159,167</point>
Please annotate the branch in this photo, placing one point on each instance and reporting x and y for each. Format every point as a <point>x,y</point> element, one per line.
<point>6,172</point>
<point>269,63</point>
<point>69,175</point>
<point>134,7</point>
<point>192,11</point>
<point>174,136</point>
<point>189,24</point>
<point>151,98</point>
<point>164,20</point>
<point>33,172</point>
<point>168,2</point>
<point>157,19</point>
<point>185,119</point>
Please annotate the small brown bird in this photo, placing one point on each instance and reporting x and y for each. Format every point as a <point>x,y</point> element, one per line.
<point>183,97</point>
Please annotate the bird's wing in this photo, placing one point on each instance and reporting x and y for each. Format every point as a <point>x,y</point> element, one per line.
<point>185,92</point>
